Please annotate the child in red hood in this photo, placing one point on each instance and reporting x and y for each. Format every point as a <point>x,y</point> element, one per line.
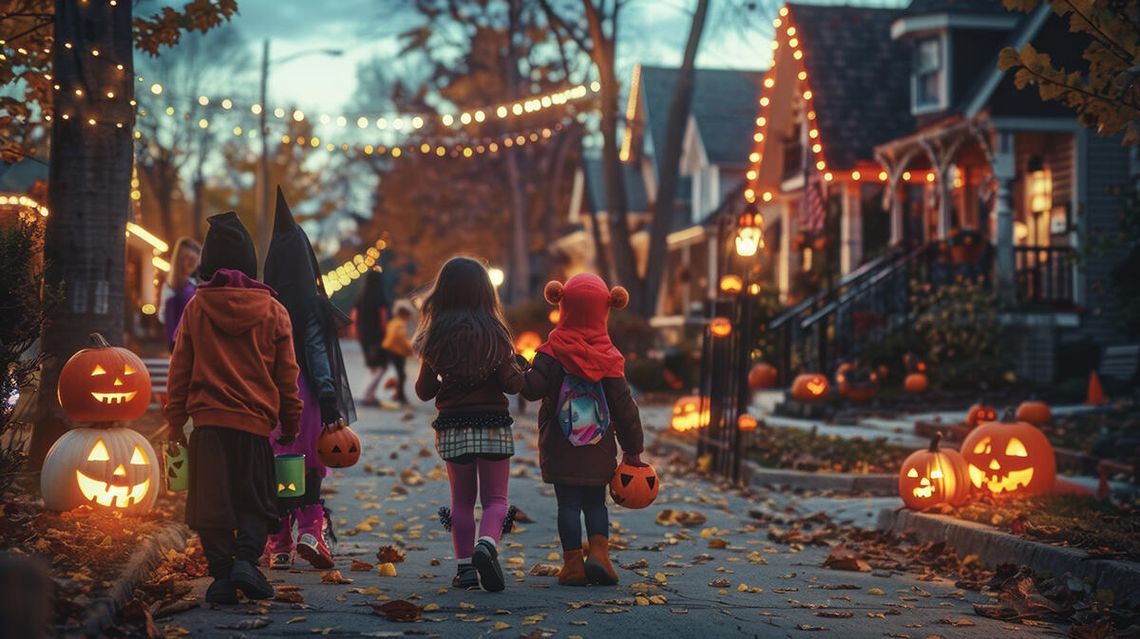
<point>580,463</point>
<point>234,371</point>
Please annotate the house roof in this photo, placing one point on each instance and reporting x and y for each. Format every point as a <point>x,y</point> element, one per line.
<point>635,195</point>
<point>860,78</point>
<point>973,7</point>
<point>724,107</point>
<point>19,177</point>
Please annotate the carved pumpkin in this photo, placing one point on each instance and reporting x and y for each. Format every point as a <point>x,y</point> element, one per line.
<point>527,344</point>
<point>687,414</point>
<point>810,387</point>
<point>747,423</point>
<point>338,447</point>
<point>113,468</point>
<point>980,413</point>
<point>634,486</point>
<point>763,375</point>
<point>1035,412</point>
<point>1009,457</point>
<point>855,383</point>
<point>933,476</point>
<point>720,327</point>
<point>916,383</point>
<point>104,383</point>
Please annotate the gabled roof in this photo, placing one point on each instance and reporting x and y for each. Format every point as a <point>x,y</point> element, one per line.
<point>973,7</point>
<point>859,76</point>
<point>724,107</point>
<point>636,198</point>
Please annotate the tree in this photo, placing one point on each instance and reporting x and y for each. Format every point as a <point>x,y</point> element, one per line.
<point>1106,95</point>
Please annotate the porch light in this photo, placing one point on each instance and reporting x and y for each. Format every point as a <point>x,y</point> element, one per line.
<point>748,241</point>
<point>1040,190</point>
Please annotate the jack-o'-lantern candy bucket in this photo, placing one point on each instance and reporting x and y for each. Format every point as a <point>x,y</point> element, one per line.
<point>290,474</point>
<point>176,463</point>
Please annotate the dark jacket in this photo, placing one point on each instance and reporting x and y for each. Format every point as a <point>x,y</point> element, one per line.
<point>561,461</point>
<point>459,396</point>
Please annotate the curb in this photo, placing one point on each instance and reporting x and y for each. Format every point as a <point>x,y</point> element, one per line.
<point>101,611</point>
<point>878,485</point>
<point>994,547</point>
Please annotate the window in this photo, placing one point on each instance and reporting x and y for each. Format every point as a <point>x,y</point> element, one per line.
<point>929,74</point>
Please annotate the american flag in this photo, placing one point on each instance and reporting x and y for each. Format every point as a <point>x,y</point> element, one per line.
<point>814,211</point>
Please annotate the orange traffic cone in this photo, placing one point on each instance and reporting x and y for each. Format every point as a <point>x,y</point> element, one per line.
<point>1096,393</point>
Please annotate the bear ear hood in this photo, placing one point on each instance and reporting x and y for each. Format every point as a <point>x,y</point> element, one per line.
<point>581,340</point>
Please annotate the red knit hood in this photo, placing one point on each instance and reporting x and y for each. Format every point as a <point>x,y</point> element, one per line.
<point>581,340</point>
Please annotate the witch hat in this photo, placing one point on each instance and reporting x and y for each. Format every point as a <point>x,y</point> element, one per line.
<point>283,217</point>
<point>227,245</point>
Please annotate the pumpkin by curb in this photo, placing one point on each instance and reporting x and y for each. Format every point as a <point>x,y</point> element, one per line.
<point>810,387</point>
<point>933,476</point>
<point>688,415</point>
<point>113,468</point>
<point>1009,457</point>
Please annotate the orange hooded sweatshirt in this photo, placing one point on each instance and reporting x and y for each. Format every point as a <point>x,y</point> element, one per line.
<point>233,363</point>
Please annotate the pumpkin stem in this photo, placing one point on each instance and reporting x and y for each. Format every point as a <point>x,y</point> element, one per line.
<point>99,341</point>
<point>934,441</point>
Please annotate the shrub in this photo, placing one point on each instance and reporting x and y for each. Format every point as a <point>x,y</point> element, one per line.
<point>959,324</point>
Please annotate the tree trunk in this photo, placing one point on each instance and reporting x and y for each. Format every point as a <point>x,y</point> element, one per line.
<point>89,178</point>
<point>519,274</point>
<point>669,164</point>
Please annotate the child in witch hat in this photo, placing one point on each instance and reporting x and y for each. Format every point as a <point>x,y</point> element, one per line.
<point>291,269</point>
<point>580,370</point>
<point>233,371</point>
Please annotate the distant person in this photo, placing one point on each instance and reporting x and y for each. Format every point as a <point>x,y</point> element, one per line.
<point>234,372</point>
<point>399,348</point>
<point>467,366</point>
<point>179,286</point>
<point>291,270</point>
<point>371,313</point>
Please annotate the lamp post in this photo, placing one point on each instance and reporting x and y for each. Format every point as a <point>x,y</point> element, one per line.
<point>263,225</point>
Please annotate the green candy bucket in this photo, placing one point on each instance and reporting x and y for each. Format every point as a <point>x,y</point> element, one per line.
<point>177,466</point>
<point>290,474</point>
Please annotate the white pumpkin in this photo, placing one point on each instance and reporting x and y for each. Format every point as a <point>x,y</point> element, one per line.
<point>107,468</point>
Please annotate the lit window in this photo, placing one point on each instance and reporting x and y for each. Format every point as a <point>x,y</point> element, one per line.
<point>928,73</point>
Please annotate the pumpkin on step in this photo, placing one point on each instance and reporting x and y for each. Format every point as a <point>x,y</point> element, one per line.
<point>634,486</point>
<point>1035,412</point>
<point>980,413</point>
<point>933,476</point>
<point>916,383</point>
<point>810,387</point>
<point>763,375</point>
<point>1009,457</point>
<point>338,447</point>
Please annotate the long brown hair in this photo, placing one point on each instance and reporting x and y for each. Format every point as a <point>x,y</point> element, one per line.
<point>178,275</point>
<point>462,330</point>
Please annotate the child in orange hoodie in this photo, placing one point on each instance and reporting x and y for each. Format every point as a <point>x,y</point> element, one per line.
<point>234,371</point>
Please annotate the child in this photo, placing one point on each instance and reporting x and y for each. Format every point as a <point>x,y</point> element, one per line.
<point>179,286</point>
<point>580,467</point>
<point>291,269</point>
<point>234,372</point>
<point>468,363</point>
<point>371,316</point>
<point>399,347</point>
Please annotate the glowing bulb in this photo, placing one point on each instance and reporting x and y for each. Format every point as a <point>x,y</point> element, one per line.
<point>203,100</point>
<point>156,88</point>
<point>855,175</point>
<point>882,176</point>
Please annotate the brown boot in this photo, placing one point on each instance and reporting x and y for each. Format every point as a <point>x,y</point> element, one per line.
<point>573,571</point>
<point>599,570</point>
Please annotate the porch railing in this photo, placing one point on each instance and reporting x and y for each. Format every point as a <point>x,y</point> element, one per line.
<point>1044,275</point>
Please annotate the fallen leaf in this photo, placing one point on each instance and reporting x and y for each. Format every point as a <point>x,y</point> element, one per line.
<point>246,624</point>
<point>387,569</point>
<point>390,554</point>
<point>398,610</point>
<point>295,620</point>
<point>334,577</point>
<point>360,566</point>
<point>811,628</point>
<point>842,558</point>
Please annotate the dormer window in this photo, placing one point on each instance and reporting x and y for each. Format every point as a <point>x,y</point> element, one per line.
<point>928,81</point>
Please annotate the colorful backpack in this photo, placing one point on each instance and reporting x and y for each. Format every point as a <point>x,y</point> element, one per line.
<point>582,410</point>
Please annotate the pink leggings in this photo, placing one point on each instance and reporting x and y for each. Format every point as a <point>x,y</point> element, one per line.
<point>489,479</point>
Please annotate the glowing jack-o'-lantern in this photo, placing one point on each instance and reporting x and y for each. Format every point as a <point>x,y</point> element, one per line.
<point>634,486</point>
<point>763,375</point>
<point>104,383</point>
<point>688,415</point>
<point>856,383</point>
<point>113,468</point>
<point>980,413</point>
<point>933,476</point>
<point>720,327</point>
<point>1035,412</point>
<point>527,344</point>
<point>747,423</point>
<point>338,447</point>
<point>731,284</point>
<point>1009,457</point>
<point>810,387</point>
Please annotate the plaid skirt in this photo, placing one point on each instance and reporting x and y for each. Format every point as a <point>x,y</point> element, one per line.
<point>462,437</point>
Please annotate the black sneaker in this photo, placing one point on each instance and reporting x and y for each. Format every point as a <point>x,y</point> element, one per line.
<point>486,561</point>
<point>221,591</point>
<point>249,581</point>
<point>465,577</point>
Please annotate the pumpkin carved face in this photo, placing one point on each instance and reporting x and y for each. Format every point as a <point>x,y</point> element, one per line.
<point>104,384</point>
<point>810,387</point>
<point>338,447</point>
<point>634,486</point>
<point>980,413</point>
<point>687,414</point>
<point>113,468</point>
<point>763,375</point>
<point>1009,457</point>
<point>932,477</point>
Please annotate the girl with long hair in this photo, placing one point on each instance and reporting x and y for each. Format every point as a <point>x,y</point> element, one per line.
<point>179,286</point>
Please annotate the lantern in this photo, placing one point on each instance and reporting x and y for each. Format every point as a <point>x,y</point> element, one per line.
<point>104,383</point>
<point>763,375</point>
<point>687,414</point>
<point>747,423</point>
<point>1009,457</point>
<point>810,387</point>
<point>1035,412</point>
<point>980,413</point>
<point>932,477</point>
<point>856,384</point>
<point>113,468</point>
<point>634,486</point>
<point>748,241</point>
<point>720,327</point>
<point>731,284</point>
<point>527,344</point>
<point>916,383</point>
<point>338,447</point>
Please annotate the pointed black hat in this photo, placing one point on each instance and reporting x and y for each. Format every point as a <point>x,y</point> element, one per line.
<point>283,218</point>
<point>227,245</point>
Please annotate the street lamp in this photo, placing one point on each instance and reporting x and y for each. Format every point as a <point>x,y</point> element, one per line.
<point>263,225</point>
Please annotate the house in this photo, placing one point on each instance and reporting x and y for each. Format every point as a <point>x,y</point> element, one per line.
<point>888,147</point>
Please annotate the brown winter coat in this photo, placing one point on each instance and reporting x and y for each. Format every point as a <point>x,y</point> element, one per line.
<point>562,462</point>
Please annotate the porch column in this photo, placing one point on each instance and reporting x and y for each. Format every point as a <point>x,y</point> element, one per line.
<point>850,229</point>
<point>1004,169</point>
<point>896,202</point>
<point>784,280</point>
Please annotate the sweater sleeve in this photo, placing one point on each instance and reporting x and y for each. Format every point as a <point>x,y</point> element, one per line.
<point>538,378</point>
<point>285,372</point>
<point>509,377</point>
<point>178,379</point>
<point>427,385</point>
<point>625,415</point>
